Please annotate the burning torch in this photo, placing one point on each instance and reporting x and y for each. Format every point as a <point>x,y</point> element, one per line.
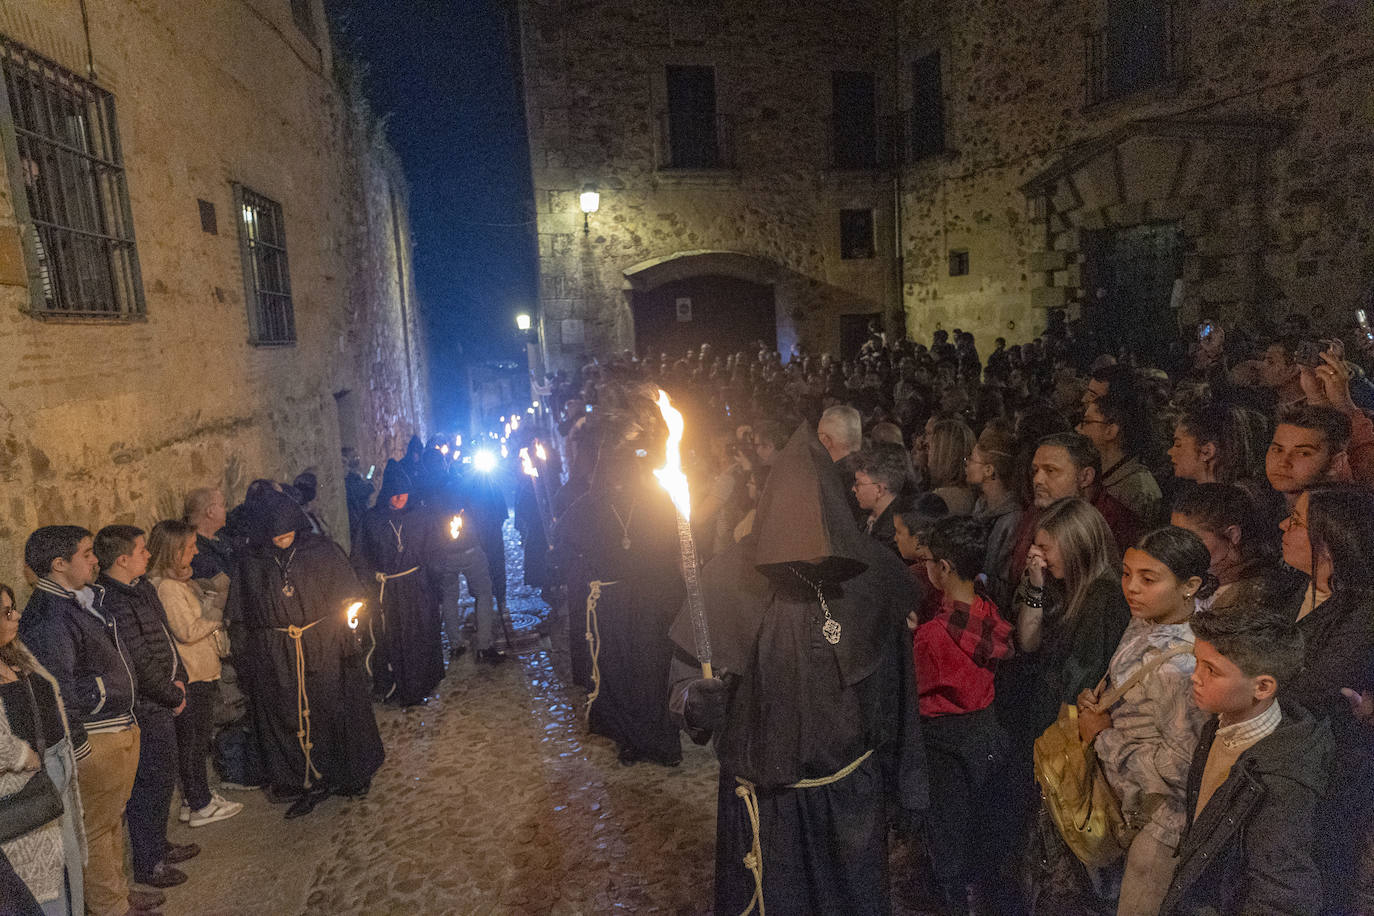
<point>672,479</point>
<point>529,470</point>
<point>455,527</point>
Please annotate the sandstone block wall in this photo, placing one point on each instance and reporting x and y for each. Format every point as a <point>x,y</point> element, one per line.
<point>113,422</point>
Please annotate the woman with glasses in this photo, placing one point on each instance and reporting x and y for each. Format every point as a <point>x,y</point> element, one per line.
<point>47,858</point>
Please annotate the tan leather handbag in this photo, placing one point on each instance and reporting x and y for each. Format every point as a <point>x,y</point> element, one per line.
<point>1077,795</point>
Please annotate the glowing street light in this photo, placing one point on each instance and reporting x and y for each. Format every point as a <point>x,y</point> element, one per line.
<point>484,461</point>
<point>522,321</point>
<point>590,201</point>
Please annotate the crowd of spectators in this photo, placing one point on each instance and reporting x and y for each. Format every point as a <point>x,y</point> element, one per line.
<point>1193,528</point>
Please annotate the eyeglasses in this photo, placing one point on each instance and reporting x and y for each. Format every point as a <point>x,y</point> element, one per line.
<point>866,483</point>
<point>13,612</point>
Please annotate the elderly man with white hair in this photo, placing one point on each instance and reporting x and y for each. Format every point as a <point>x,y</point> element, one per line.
<point>840,431</point>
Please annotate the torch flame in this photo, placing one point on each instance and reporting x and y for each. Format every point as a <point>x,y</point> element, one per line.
<point>670,476</point>
<point>444,449</point>
<point>526,465</point>
<point>458,440</point>
<point>352,613</point>
<point>455,527</point>
<point>539,451</point>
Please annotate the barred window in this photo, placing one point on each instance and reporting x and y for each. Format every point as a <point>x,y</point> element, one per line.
<point>67,171</point>
<point>266,280</point>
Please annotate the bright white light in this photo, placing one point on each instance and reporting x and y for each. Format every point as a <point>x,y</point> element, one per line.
<point>505,452</point>
<point>522,321</point>
<point>484,461</point>
<point>458,440</point>
<point>455,527</point>
<point>444,449</point>
<point>670,476</point>
<point>351,612</point>
<point>590,200</point>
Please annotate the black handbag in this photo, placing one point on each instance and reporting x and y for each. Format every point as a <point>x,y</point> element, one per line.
<point>39,802</point>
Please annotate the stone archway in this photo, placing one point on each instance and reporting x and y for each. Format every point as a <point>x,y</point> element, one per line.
<point>1196,185</point>
<point>726,298</point>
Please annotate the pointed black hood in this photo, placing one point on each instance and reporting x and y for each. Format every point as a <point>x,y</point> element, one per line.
<point>395,481</point>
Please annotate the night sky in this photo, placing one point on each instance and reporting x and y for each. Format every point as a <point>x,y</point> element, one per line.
<point>442,72</point>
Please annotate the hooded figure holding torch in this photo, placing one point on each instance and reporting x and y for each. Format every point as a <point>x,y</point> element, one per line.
<point>812,708</point>
<point>299,659</point>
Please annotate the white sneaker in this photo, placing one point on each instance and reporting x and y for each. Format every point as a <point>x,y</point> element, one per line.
<point>215,811</point>
<point>185,814</point>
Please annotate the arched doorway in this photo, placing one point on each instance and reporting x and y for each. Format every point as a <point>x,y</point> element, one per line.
<point>679,302</point>
<point>728,313</point>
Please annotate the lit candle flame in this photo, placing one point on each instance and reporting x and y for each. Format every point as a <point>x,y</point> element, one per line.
<point>352,613</point>
<point>526,465</point>
<point>458,441</point>
<point>443,449</point>
<point>455,527</point>
<point>514,422</point>
<point>505,452</point>
<point>507,429</point>
<point>670,476</point>
<point>539,451</point>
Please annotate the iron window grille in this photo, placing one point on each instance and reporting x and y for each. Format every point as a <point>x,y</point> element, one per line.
<point>71,197</point>
<point>266,278</point>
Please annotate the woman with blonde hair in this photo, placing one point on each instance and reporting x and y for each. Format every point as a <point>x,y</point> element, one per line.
<point>1070,611</point>
<point>33,735</point>
<point>197,626</point>
<point>947,451</point>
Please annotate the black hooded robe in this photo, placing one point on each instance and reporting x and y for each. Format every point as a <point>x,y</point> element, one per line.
<point>803,708</point>
<point>323,673</point>
<point>642,594</point>
<point>403,647</point>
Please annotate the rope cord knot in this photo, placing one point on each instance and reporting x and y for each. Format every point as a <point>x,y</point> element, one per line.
<point>302,699</point>
<point>747,792</point>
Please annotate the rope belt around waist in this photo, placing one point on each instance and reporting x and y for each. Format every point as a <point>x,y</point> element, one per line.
<point>593,634</point>
<point>384,578</point>
<point>302,699</point>
<point>748,793</point>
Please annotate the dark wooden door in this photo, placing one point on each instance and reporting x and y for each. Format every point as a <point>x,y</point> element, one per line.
<point>727,313</point>
<point>854,333</point>
<point>1129,276</point>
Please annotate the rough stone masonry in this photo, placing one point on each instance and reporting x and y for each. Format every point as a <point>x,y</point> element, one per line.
<point>113,421</point>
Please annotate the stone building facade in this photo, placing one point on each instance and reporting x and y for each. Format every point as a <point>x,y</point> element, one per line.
<point>1096,150</point>
<point>731,217</point>
<point>1140,163</point>
<point>204,262</point>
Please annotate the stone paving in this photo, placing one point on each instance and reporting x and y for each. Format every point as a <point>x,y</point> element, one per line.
<point>493,799</point>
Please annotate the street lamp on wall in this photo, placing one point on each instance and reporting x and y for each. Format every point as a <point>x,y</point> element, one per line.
<point>590,200</point>
<point>522,321</point>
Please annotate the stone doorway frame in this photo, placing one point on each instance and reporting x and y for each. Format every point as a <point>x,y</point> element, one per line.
<point>684,265</point>
<point>1209,177</point>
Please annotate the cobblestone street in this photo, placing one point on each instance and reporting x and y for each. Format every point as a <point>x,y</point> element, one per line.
<point>493,799</point>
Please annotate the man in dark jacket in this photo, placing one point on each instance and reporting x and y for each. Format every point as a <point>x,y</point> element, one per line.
<point>160,694</point>
<point>1256,775</point>
<point>69,632</point>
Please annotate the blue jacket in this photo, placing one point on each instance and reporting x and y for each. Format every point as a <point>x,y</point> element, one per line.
<point>83,650</point>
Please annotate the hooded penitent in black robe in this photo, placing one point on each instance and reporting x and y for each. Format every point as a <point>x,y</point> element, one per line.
<point>640,593</point>
<point>801,707</point>
<point>315,684</point>
<point>402,647</point>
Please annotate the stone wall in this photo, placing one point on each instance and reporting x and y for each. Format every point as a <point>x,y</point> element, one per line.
<point>594,87</point>
<point>113,422</point>
<point>1278,221</point>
